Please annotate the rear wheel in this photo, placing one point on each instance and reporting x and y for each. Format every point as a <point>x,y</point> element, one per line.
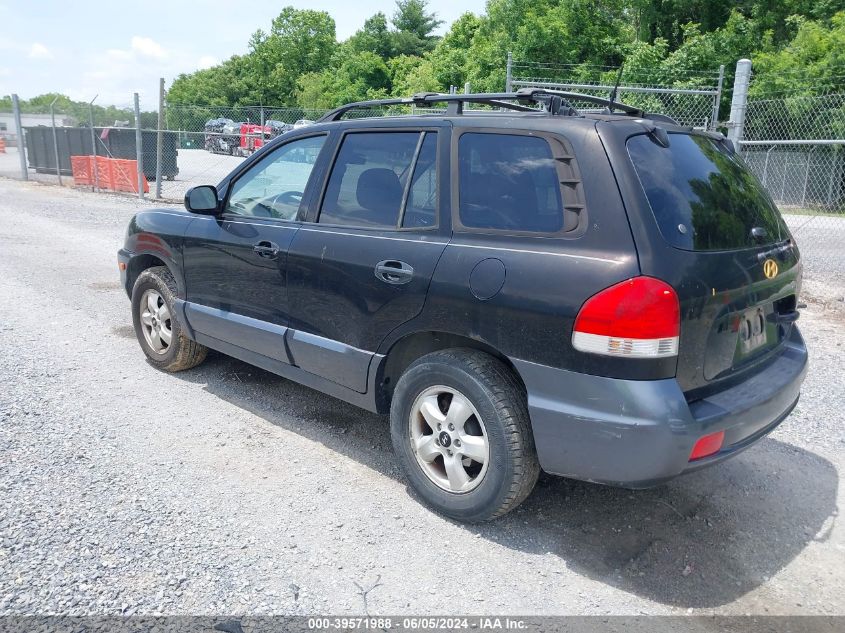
<point>460,429</point>
<point>157,325</point>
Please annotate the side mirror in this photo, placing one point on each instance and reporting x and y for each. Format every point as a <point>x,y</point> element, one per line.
<point>202,199</point>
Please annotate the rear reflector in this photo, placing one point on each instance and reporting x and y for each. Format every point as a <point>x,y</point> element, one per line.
<point>707,445</point>
<point>637,318</point>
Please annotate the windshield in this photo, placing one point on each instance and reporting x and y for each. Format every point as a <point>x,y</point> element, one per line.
<point>702,195</point>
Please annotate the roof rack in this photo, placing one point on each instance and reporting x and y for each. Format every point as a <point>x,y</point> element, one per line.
<point>553,101</point>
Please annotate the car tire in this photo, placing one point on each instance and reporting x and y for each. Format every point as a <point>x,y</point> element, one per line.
<point>451,472</point>
<point>159,331</point>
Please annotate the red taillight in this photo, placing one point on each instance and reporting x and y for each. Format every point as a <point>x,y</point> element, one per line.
<point>707,445</point>
<point>637,318</point>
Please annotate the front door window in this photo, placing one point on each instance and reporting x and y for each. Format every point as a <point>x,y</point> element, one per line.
<point>274,187</point>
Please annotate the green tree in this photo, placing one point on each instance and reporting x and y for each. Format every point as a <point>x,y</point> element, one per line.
<point>374,37</point>
<point>356,77</point>
<point>414,28</point>
<point>411,74</point>
<point>300,41</point>
<point>411,16</point>
<point>449,57</point>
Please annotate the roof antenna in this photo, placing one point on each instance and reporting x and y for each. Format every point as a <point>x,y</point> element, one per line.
<point>615,91</point>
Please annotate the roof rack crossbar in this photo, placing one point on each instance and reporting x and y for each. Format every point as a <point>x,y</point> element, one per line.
<point>540,96</point>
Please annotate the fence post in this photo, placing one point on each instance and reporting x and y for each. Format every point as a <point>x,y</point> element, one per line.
<point>467,88</point>
<point>93,144</point>
<point>159,136</point>
<point>55,141</point>
<point>739,101</point>
<point>16,108</point>
<point>714,122</point>
<point>139,150</point>
<point>509,73</point>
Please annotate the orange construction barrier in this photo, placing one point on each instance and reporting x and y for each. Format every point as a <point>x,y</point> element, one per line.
<point>81,168</point>
<point>2,145</point>
<point>125,175</point>
<point>116,174</point>
<point>102,165</point>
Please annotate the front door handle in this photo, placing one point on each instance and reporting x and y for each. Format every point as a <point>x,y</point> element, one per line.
<point>394,272</point>
<point>266,249</point>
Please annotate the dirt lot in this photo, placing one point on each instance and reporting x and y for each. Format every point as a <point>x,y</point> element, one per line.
<point>229,490</point>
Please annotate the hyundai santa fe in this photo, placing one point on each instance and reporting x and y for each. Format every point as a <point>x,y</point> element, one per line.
<point>601,294</point>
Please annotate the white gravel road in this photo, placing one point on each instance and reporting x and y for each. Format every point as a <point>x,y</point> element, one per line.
<point>227,490</point>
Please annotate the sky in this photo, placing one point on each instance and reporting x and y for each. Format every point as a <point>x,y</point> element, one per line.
<point>89,48</point>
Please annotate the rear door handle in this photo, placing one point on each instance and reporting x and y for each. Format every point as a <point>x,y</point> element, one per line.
<point>266,249</point>
<point>394,272</point>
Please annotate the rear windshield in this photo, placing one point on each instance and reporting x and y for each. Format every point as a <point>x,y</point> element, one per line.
<point>702,196</point>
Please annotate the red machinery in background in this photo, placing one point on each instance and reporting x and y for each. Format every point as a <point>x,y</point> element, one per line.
<point>252,137</point>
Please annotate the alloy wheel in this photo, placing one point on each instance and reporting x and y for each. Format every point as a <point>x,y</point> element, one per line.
<point>448,439</point>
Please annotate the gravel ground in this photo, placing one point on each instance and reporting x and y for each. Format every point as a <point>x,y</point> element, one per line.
<point>227,490</point>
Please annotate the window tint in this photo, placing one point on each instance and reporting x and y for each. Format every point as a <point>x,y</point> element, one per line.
<point>274,187</point>
<point>368,179</point>
<point>509,182</point>
<point>702,196</point>
<point>420,210</point>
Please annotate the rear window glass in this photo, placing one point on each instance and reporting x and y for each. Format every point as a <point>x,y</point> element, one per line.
<point>509,182</point>
<point>702,196</point>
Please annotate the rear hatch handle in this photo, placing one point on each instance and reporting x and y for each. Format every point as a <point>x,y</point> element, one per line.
<point>785,317</point>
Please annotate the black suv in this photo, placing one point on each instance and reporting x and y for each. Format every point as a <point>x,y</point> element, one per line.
<point>604,295</point>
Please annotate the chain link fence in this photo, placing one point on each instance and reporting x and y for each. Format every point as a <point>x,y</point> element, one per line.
<point>41,118</point>
<point>795,143</point>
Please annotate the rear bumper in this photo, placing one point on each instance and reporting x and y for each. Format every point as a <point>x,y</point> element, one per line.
<point>638,434</point>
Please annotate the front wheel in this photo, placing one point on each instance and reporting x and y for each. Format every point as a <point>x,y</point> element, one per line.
<point>461,432</point>
<point>157,325</point>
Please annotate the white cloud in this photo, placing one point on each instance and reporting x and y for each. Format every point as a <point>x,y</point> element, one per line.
<point>147,47</point>
<point>39,51</point>
<point>207,61</point>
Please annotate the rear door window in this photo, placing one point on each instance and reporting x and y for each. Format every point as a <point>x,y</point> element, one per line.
<point>368,179</point>
<point>508,182</point>
<point>702,195</point>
